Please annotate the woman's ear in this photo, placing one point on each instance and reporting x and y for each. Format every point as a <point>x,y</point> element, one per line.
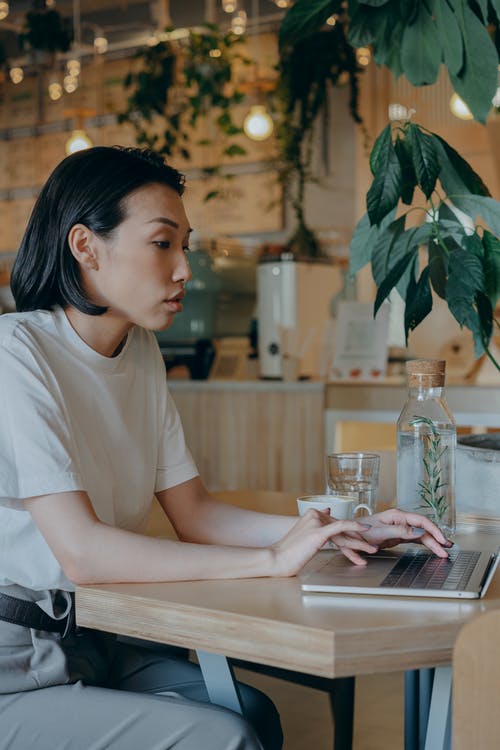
<point>83,246</point>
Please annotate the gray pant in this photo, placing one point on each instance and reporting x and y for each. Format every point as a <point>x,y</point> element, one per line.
<point>120,696</point>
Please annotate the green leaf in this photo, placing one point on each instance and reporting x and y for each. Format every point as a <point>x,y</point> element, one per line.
<point>465,279</point>
<point>362,24</point>
<point>304,18</point>
<point>424,157</point>
<point>456,175</point>
<point>363,241</point>
<point>210,195</point>
<point>384,191</point>
<point>234,150</point>
<point>450,36</point>
<point>491,247</point>
<point>383,256</point>
<point>496,7</point>
<point>438,268</point>
<point>477,82</point>
<point>418,301</point>
<point>421,49</point>
<point>478,205</point>
<point>380,148</point>
<point>360,249</point>
<point>392,278</point>
<point>408,176</point>
<point>483,7</point>
<point>485,315</point>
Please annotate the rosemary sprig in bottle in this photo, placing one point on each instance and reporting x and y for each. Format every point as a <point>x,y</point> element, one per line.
<point>432,487</point>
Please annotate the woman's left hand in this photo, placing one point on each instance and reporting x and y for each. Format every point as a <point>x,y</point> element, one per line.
<point>394,526</point>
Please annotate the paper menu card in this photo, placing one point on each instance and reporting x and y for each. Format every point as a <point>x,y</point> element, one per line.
<point>361,342</point>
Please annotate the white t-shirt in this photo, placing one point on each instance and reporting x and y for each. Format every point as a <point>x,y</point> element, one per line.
<point>72,419</point>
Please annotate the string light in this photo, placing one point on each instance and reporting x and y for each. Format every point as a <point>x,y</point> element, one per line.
<point>215,52</point>
<point>70,83</point>
<point>4,10</point>
<point>459,108</point>
<point>258,124</point>
<point>229,6</point>
<point>363,56</point>
<point>331,20</point>
<point>282,3</point>
<point>73,67</point>
<point>100,43</point>
<point>239,23</point>
<point>16,74</point>
<point>55,90</point>
<point>78,141</point>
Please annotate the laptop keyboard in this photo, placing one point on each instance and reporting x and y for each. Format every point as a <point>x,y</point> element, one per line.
<point>419,570</point>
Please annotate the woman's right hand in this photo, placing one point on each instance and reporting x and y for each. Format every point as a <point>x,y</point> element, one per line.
<point>310,533</point>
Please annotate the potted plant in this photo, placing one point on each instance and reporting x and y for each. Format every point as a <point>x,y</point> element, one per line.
<point>463,263</point>
<point>308,67</point>
<point>45,32</point>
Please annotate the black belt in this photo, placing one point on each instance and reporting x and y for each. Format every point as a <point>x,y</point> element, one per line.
<point>29,615</point>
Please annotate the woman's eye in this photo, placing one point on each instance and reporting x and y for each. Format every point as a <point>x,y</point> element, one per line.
<point>163,244</point>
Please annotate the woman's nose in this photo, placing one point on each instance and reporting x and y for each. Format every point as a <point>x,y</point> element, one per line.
<point>182,270</point>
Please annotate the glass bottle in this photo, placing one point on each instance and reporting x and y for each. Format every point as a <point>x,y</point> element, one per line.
<point>427,439</point>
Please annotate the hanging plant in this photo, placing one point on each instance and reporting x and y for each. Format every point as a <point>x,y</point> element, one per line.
<point>463,262</point>
<point>45,30</point>
<point>307,70</point>
<point>416,37</point>
<point>180,82</point>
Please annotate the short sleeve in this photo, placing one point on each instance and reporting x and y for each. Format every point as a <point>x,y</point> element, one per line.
<point>37,451</point>
<point>175,463</point>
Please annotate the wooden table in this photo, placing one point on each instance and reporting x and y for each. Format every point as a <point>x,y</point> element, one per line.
<point>269,621</point>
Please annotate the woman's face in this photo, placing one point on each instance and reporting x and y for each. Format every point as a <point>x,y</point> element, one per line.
<point>143,266</point>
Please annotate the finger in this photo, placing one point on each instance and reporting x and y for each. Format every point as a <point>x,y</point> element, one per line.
<point>428,541</point>
<point>348,542</point>
<point>353,556</point>
<point>417,520</point>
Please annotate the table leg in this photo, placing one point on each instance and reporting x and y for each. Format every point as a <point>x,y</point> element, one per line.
<point>438,735</point>
<point>411,710</point>
<point>219,680</point>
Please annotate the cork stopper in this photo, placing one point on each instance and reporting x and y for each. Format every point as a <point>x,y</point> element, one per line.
<point>426,373</point>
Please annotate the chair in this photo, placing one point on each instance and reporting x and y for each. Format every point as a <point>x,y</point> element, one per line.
<point>476,685</point>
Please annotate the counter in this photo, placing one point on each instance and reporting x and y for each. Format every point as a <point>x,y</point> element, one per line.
<point>273,435</point>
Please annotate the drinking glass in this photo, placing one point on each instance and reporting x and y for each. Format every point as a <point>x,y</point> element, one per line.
<point>354,473</point>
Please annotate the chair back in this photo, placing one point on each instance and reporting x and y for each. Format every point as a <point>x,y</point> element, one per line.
<point>476,685</point>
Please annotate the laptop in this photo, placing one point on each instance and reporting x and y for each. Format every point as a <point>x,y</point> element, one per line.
<point>406,570</point>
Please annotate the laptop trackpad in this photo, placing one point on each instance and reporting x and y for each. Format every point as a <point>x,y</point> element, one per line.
<point>339,569</point>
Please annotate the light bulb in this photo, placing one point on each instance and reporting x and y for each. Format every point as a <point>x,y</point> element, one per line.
<point>459,108</point>
<point>100,43</point>
<point>239,23</point>
<point>73,67</point>
<point>331,20</point>
<point>70,83</point>
<point>4,10</point>
<point>258,124</point>
<point>229,6</point>
<point>78,141</point>
<point>282,3</point>
<point>363,55</point>
<point>16,74</point>
<point>55,90</point>
<point>397,112</point>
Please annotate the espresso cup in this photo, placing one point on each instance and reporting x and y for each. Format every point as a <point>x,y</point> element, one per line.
<point>342,507</point>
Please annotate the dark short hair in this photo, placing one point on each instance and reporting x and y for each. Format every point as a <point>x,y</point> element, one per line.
<point>89,187</point>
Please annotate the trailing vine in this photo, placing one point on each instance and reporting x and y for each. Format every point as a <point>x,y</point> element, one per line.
<point>180,82</point>
<point>307,69</point>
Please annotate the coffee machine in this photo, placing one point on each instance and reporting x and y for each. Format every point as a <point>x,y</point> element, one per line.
<point>293,296</point>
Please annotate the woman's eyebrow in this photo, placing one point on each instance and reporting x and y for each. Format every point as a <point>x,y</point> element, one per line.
<point>165,220</point>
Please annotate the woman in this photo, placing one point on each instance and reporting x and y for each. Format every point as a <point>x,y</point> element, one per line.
<point>88,435</point>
